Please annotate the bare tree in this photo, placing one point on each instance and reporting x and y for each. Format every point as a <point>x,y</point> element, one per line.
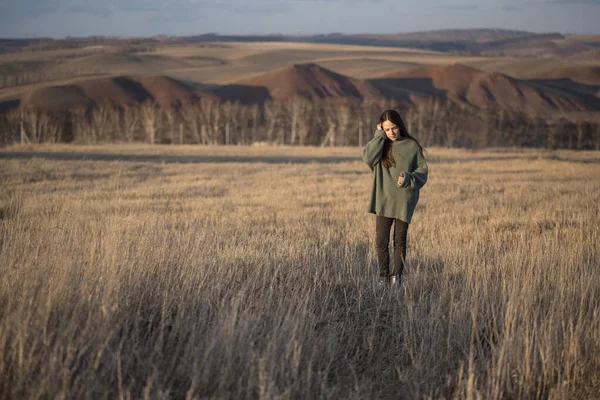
<point>151,117</point>
<point>24,139</point>
<point>191,115</point>
<point>130,123</point>
<point>272,115</point>
<point>103,123</point>
<point>331,121</point>
<point>344,113</point>
<point>552,132</point>
<point>204,119</point>
<point>483,139</point>
<point>316,122</point>
<point>580,134</point>
<point>255,121</point>
<point>82,128</point>
<point>433,120</point>
<point>231,115</point>
<point>34,122</point>
<point>369,111</point>
<point>171,123</point>
<point>11,125</point>
<point>294,111</point>
<point>217,117</point>
<point>299,112</point>
<point>305,121</point>
<point>228,116</point>
<point>211,115</point>
<point>181,130</point>
<point>242,123</point>
<point>419,110</point>
<point>451,131</point>
<point>53,130</point>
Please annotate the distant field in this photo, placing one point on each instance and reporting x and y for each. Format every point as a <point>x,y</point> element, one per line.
<point>247,272</point>
<point>235,61</point>
<point>569,84</point>
<point>219,65</point>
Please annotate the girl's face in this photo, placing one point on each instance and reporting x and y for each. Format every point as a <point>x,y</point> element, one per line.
<point>392,131</point>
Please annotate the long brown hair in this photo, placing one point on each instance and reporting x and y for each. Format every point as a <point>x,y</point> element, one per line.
<point>387,159</point>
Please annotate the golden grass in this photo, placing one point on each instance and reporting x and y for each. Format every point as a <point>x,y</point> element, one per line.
<point>255,279</point>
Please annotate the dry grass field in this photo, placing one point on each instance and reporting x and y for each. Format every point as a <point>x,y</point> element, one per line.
<point>203,272</point>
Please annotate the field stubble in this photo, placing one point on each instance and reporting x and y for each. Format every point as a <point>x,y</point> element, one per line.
<point>255,280</point>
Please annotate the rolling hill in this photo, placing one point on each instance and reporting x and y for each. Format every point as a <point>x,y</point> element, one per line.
<point>309,80</point>
<point>115,91</point>
<point>481,89</point>
<point>457,82</point>
<point>471,41</point>
<point>589,75</point>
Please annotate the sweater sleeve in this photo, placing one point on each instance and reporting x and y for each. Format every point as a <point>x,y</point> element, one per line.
<point>416,179</point>
<point>372,151</point>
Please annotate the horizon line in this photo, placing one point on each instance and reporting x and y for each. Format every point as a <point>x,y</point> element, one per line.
<point>293,35</point>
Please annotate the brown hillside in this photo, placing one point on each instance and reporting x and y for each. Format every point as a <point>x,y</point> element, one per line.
<point>481,89</point>
<point>124,63</point>
<point>311,81</point>
<point>541,47</point>
<point>116,91</point>
<point>589,75</point>
<point>167,90</point>
<point>56,97</point>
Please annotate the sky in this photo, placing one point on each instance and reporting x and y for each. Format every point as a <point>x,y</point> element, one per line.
<point>61,18</point>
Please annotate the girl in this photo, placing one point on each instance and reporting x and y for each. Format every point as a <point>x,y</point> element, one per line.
<point>399,172</point>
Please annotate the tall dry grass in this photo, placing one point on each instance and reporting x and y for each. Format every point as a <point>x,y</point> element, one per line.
<point>127,279</point>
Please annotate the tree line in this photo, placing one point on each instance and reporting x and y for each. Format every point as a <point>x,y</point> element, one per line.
<point>297,121</point>
<point>72,43</point>
<point>31,77</point>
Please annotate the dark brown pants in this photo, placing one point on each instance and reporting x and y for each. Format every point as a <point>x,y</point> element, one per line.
<point>383,225</point>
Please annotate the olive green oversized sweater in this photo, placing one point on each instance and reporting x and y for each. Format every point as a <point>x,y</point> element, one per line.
<point>387,199</point>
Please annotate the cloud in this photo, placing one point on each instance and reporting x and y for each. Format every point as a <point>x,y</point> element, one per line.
<point>265,9</point>
<point>14,11</point>
<point>190,11</point>
<point>89,9</point>
<point>198,14</point>
<point>142,6</point>
<point>459,7</point>
<point>512,8</point>
<point>175,18</point>
<point>201,6</point>
<point>175,10</point>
